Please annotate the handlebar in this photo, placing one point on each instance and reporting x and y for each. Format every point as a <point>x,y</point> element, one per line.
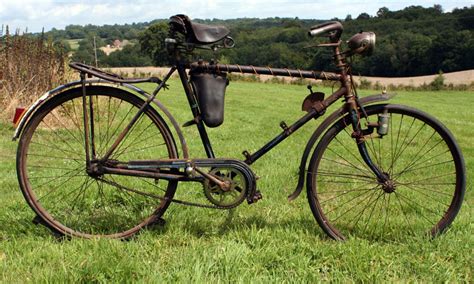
<point>332,29</point>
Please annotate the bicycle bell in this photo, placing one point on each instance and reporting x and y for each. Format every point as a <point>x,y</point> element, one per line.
<point>362,43</point>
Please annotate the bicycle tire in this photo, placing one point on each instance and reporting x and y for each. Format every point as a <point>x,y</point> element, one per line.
<point>52,173</point>
<point>420,156</point>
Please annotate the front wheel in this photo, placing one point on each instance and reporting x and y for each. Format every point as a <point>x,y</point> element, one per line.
<point>419,156</point>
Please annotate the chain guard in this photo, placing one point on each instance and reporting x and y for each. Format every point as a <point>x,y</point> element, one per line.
<point>247,178</point>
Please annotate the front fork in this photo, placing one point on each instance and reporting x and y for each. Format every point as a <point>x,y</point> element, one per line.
<point>359,134</point>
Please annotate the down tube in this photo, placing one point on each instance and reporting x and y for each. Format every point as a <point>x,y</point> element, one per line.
<point>313,113</point>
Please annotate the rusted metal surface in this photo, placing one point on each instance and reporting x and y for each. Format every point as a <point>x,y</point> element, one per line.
<point>248,69</point>
<point>313,100</point>
<point>108,76</point>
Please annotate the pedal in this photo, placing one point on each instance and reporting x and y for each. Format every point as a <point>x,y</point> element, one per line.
<point>189,123</point>
<point>256,197</point>
<point>38,221</point>
<point>157,222</point>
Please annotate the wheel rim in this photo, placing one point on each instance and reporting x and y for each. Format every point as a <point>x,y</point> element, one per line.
<point>424,191</point>
<point>54,177</point>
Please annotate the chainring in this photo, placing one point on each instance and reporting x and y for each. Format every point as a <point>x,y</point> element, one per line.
<point>232,197</point>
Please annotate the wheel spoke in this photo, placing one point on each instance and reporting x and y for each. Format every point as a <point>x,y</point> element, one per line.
<point>427,195</point>
<point>344,193</point>
<point>410,203</point>
<point>352,199</point>
<point>370,193</point>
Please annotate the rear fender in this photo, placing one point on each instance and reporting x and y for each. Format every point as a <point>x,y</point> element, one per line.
<point>319,131</point>
<point>95,82</point>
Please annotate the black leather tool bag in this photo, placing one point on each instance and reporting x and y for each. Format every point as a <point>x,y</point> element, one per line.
<point>210,91</point>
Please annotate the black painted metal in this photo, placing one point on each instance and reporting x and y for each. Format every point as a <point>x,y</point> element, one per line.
<point>147,168</point>
<point>282,136</point>
<point>363,149</point>
<point>302,121</point>
<point>92,129</point>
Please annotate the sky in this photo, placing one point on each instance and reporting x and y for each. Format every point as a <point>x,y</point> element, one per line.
<point>35,15</point>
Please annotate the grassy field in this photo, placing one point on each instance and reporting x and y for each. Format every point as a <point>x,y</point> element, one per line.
<point>270,241</point>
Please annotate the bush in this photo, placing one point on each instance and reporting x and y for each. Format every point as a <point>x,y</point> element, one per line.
<point>365,84</point>
<point>438,82</point>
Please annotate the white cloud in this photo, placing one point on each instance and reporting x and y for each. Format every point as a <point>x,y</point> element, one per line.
<point>36,14</point>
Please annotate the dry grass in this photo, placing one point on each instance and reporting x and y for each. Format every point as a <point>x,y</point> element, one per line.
<point>29,66</point>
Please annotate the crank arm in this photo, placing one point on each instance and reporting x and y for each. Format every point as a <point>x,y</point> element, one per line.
<point>223,185</point>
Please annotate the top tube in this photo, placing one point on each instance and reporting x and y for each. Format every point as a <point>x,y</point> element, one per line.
<point>248,69</point>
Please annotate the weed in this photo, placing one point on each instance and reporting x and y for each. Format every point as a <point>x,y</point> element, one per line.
<point>29,66</point>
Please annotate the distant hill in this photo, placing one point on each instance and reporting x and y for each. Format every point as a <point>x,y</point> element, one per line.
<point>411,42</point>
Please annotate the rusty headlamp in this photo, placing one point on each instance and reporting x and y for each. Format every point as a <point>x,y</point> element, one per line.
<point>362,43</point>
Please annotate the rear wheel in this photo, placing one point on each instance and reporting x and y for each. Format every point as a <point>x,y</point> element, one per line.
<point>51,165</point>
<point>425,170</point>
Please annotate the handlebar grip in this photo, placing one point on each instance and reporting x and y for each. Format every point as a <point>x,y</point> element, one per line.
<point>333,29</point>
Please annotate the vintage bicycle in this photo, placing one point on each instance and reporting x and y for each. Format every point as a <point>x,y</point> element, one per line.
<point>102,157</point>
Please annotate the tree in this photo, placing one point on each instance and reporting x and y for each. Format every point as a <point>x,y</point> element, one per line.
<point>152,42</point>
<point>86,53</point>
<point>75,32</point>
<point>130,56</point>
<point>383,12</point>
<point>363,16</point>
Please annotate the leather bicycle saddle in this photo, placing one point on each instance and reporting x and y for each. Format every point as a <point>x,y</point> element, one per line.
<point>198,33</point>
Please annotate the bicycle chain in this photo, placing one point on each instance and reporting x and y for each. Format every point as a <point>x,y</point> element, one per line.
<point>187,203</point>
<point>177,201</point>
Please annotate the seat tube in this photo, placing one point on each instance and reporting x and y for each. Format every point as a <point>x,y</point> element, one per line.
<point>195,110</point>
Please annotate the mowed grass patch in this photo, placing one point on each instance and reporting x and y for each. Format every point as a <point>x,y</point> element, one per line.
<point>74,43</point>
<point>270,241</point>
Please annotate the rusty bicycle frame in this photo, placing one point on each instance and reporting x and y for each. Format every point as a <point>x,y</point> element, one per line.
<point>314,104</point>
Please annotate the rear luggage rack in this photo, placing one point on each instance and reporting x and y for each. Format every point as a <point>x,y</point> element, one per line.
<point>96,72</point>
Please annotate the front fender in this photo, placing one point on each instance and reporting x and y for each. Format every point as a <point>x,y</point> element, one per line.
<point>319,131</point>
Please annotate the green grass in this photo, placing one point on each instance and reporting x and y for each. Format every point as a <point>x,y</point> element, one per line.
<point>270,241</point>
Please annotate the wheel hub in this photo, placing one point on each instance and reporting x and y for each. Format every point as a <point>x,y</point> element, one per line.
<point>95,170</point>
<point>389,186</point>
